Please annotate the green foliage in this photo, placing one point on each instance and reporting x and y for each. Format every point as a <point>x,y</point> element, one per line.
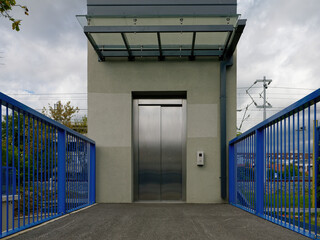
<point>80,126</point>
<point>61,113</point>
<point>5,11</point>
<point>292,170</point>
<point>16,153</point>
<point>285,173</point>
<point>64,114</point>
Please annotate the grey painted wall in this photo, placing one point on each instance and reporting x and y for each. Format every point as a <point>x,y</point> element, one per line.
<point>110,87</point>
<point>161,7</point>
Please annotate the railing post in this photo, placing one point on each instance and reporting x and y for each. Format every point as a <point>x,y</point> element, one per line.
<point>61,171</point>
<point>259,170</point>
<point>232,181</point>
<point>92,175</point>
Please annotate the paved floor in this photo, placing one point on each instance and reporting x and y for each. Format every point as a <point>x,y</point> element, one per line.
<point>160,221</point>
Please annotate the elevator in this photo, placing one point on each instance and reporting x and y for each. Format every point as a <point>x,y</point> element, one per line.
<point>159,149</point>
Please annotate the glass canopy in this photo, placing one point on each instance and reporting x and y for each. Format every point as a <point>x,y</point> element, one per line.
<point>162,36</point>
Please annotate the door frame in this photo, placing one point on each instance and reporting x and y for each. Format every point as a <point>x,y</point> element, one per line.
<point>135,137</point>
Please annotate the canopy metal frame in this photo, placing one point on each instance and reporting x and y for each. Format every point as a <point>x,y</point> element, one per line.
<point>224,52</point>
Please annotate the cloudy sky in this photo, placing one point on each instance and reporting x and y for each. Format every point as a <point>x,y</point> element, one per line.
<point>48,56</point>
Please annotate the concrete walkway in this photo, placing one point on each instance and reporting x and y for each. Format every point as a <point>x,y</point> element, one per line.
<point>160,221</point>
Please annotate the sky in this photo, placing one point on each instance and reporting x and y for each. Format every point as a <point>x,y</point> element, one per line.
<point>47,60</point>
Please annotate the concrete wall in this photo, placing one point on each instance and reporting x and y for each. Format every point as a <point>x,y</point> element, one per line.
<point>110,86</point>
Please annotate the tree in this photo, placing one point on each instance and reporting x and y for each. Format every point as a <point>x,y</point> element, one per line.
<point>5,11</point>
<point>80,126</point>
<point>61,113</point>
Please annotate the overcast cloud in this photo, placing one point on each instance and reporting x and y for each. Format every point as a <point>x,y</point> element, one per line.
<point>49,54</point>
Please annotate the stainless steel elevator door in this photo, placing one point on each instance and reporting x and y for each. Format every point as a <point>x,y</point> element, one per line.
<point>149,153</point>
<point>160,147</point>
<point>171,147</point>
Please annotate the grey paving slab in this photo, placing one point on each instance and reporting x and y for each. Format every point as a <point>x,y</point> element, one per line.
<point>160,221</point>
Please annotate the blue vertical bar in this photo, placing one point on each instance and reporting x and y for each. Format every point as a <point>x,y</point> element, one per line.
<point>281,167</point>
<point>55,171</point>
<point>70,155</point>
<point>82,151</point>
<point>304,172</point>
<point>298,143</point>
<point>74,171</point>
<point>247,169</point>
<point>29,150</point>
<point>84,171</point>
<point>24,175</point>
<point>274,170</point>
<point>294,169</point>
<point>264,172</point>
<point>88,169</point>
<point>236,189</point>
<point>71,172</point>
<point>270,172</point>
<point>51,172</point>
<point>92,181</point>
<point>37,170</point>
<point>61,171</point>
<point>79,170</point>
<point>268,169</point>
<point>48,171</point>
<point>56,167</point>
<point>277,172</point>
<point>48,168</point>
<point>231,174</point>
<point>285,170</point>
<point>41,176</point>
<point>77,161</point>
<point>316,156</point>
<point>259,171</point>
<point>309,172</point>
<point>19,152</point>
<point>13,167</point>
<point>45,170</point>
<point>7,167</point>
<point>289,152</point>
<point>33,132</point>
<point>252,171</point>
<point>67,173</point>
<point>1,164</point>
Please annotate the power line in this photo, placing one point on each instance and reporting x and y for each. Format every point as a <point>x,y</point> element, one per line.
<point>307,89</point>
<point>38,94</point>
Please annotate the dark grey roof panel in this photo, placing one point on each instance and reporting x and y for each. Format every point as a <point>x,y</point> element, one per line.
<point>196,10</point>
<point>157,2</point>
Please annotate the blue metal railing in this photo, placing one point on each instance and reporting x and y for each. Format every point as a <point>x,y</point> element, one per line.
<point>273,168</point>
<point>47,169</point>
<point>12,180</point>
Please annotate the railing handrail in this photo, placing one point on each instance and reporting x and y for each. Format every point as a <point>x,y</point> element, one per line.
<point>303,103</point>
<point>18,106</point>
